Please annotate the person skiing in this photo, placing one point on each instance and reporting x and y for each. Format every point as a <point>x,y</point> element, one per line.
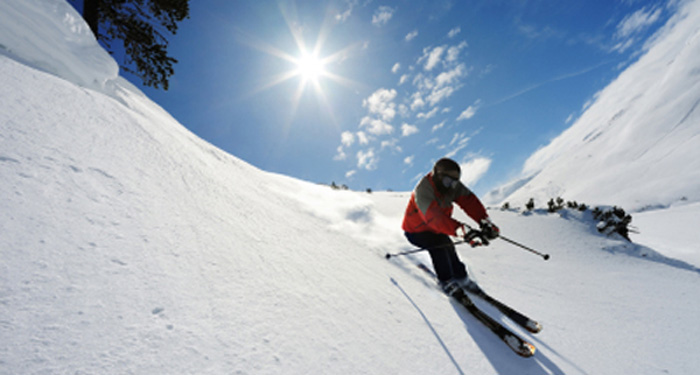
<point>428,222</point>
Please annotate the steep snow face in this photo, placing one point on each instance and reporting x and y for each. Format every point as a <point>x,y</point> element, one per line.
<point>51,36</point>
<point>638,144</point>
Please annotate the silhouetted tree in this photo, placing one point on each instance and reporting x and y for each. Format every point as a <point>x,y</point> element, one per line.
<point>140,25</point>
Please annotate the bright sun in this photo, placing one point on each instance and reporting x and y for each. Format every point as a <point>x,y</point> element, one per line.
<point>310,67</point>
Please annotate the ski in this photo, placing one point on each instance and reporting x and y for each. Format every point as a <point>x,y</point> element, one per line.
<point>529,324</point>
<point>513,341</point>
<point>520,319</point>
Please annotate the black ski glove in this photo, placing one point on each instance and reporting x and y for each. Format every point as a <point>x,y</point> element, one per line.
<point>476,238</point>
<point>489,229</point>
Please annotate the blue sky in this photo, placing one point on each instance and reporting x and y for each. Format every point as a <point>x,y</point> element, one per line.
<point>396,84</point>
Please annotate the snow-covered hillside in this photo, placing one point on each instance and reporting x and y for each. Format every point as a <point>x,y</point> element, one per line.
<point>129,245</point>
<point>638,144</point>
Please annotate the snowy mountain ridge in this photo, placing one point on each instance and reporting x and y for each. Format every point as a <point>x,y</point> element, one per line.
<point>638,144</point>
<point>129,245</point>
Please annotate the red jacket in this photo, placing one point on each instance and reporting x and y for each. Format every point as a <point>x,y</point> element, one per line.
<point>429,210</point>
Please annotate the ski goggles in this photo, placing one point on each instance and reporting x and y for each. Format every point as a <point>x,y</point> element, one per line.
<point>449,181</point>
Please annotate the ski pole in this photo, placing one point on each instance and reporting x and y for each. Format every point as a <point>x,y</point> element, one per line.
<point>389,255</point>
<point>544,256</point>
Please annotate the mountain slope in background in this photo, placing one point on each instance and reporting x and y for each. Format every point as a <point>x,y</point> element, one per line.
<point>129,245</point>
<point>638,145</point>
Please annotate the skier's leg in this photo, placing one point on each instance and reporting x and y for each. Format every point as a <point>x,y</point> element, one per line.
<point>439,246</point>
<point>458,270</point>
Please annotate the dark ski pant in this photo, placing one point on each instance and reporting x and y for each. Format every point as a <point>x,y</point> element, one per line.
<point>442,252</point>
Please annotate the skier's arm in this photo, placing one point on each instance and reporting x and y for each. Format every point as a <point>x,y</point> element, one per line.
<point>471,205</point>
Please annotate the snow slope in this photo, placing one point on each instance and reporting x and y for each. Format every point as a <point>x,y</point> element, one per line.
<point>129,245</point>
<point>638,144</point>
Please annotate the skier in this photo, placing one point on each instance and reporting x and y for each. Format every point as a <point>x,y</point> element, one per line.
<point>428,222</point>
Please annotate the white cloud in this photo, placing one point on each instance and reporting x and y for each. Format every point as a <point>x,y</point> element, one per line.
<point>473,170</point>
<point>629,28</point>
<point>341,154</point>
<point>451,76</point>
<point>454,32</point>
<point>382,15</point>
<point>417,102</point>
<point>407,129</point>
<point>438,95</point>
<point>453,52</point>
<point>362,138</point>
<point>367,159</point>
<point>469,112</point>
<point>392,144</point>
<point>403,79</point>
<point>403,110</point>
<point>395,68</point>
<point>458,143</point>
<point>376,126</point>
<point>427,115</point>
<point>350,173</point>
<point>434,89</point>
<point>381,103</point>
<point>409,160</point>
<point>438,126</point>
<point>410,36</point>
<point>347,138</point>
<point>434,57</point>
<point>637,21</point>
<point>342,17</point>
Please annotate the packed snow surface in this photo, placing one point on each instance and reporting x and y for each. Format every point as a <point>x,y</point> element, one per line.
<point>129,245</point>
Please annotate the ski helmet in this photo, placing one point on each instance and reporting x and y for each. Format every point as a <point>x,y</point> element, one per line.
<point>446,165</point>
<point>446,174</point>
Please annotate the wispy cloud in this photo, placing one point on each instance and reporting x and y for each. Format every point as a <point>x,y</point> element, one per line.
<point>439,126</point>
<point>627,31</point>
<point>362,138</point>
<point>410,36</point>
<point>555,79</point>
<point>367,159</point>
<point>340,154</point>
<point>392,144</point>
<point>454,32</point>
<point>342,17</point>
<point>382,15</point>
<point>395,68</point>
<point>429,114</point>
<point>469,112</point>
<point>637,21</point>
<point>459,141</point>
<point>432,57</point>
<point>453,52</point>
